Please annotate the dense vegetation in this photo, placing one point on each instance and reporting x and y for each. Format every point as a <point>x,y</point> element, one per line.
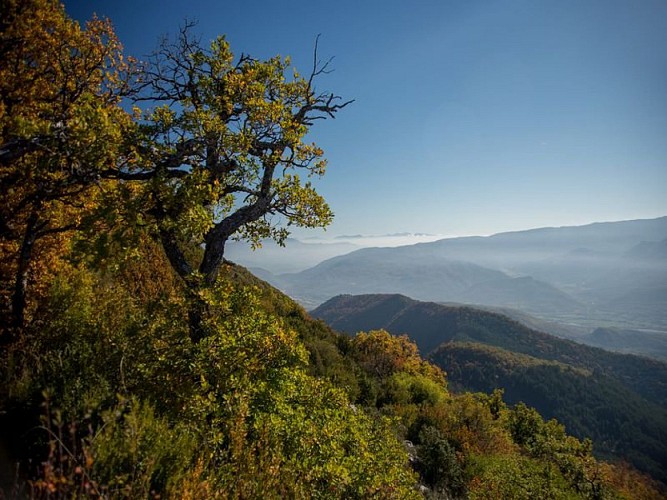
<point>116,400</point>
<point>619,422</point>
<point>431,324</point>
<point>617,400</point>
<point>130,368</point>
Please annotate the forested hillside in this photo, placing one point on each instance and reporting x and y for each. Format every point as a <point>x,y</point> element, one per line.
<point>619,421</point>
<point>430,324</point>
<point>136,363</point>
<point>617,400</point>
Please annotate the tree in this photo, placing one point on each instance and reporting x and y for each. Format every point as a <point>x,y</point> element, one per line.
<point>223,145</point>
<point>61,126</point>
<point>383,354</point>
<point>440,467</point>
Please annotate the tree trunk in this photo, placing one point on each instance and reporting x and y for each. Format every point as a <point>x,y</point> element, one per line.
<point>217,237</point>
<point>196,307</point>
<point>213,259</point>
<point>21,281</point>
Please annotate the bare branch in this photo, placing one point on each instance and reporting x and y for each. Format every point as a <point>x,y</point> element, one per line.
<point>318,67</point>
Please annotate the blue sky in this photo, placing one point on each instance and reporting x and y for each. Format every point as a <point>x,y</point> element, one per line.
<point>471,117</point>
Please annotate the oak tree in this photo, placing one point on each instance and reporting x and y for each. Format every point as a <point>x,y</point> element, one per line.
<point>224,149</point>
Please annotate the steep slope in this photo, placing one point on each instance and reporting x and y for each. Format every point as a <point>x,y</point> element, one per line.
<point>431,324</point>
<point>577,397</point>
<point>619,400</point>
<point>325,346</point>
<point>619,422</point>
<point>238,414</point>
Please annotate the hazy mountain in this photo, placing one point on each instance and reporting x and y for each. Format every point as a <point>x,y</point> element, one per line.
<point>603,274</point>
<point>653,344</point>
<point>594,264</point>
<point>534,245</point>
<point>524,293</point>
<point>300,254</point>
<point>294,256</point>
<point>381,270</point>
<point>648,250</point>
<point>426,276</point>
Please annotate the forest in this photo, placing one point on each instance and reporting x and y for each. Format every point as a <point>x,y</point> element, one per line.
<point>138,363</point>
<point>617,400</point>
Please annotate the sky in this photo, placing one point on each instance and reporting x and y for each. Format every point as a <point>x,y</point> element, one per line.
<point>470,117</point>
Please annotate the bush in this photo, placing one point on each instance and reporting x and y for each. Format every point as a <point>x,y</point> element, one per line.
<point>440,466</point>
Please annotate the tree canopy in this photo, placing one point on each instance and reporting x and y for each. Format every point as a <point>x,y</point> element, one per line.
<point>213,148</point>
<point>223,148</point>
<point>61,126</point>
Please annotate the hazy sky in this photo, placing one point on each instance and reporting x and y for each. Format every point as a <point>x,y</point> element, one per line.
<point>471,117</point>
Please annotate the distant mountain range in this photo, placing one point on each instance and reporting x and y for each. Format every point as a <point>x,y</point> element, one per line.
<point>295,256</point>
<point>611,274</point>
<point>618,400</point>
<point>300,254</point>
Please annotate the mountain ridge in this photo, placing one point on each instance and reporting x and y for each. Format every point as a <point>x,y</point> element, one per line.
<point>430,324</point>
<point>619,399</point>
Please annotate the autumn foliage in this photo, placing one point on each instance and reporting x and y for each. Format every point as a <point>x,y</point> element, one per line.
<point>60,126</point>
